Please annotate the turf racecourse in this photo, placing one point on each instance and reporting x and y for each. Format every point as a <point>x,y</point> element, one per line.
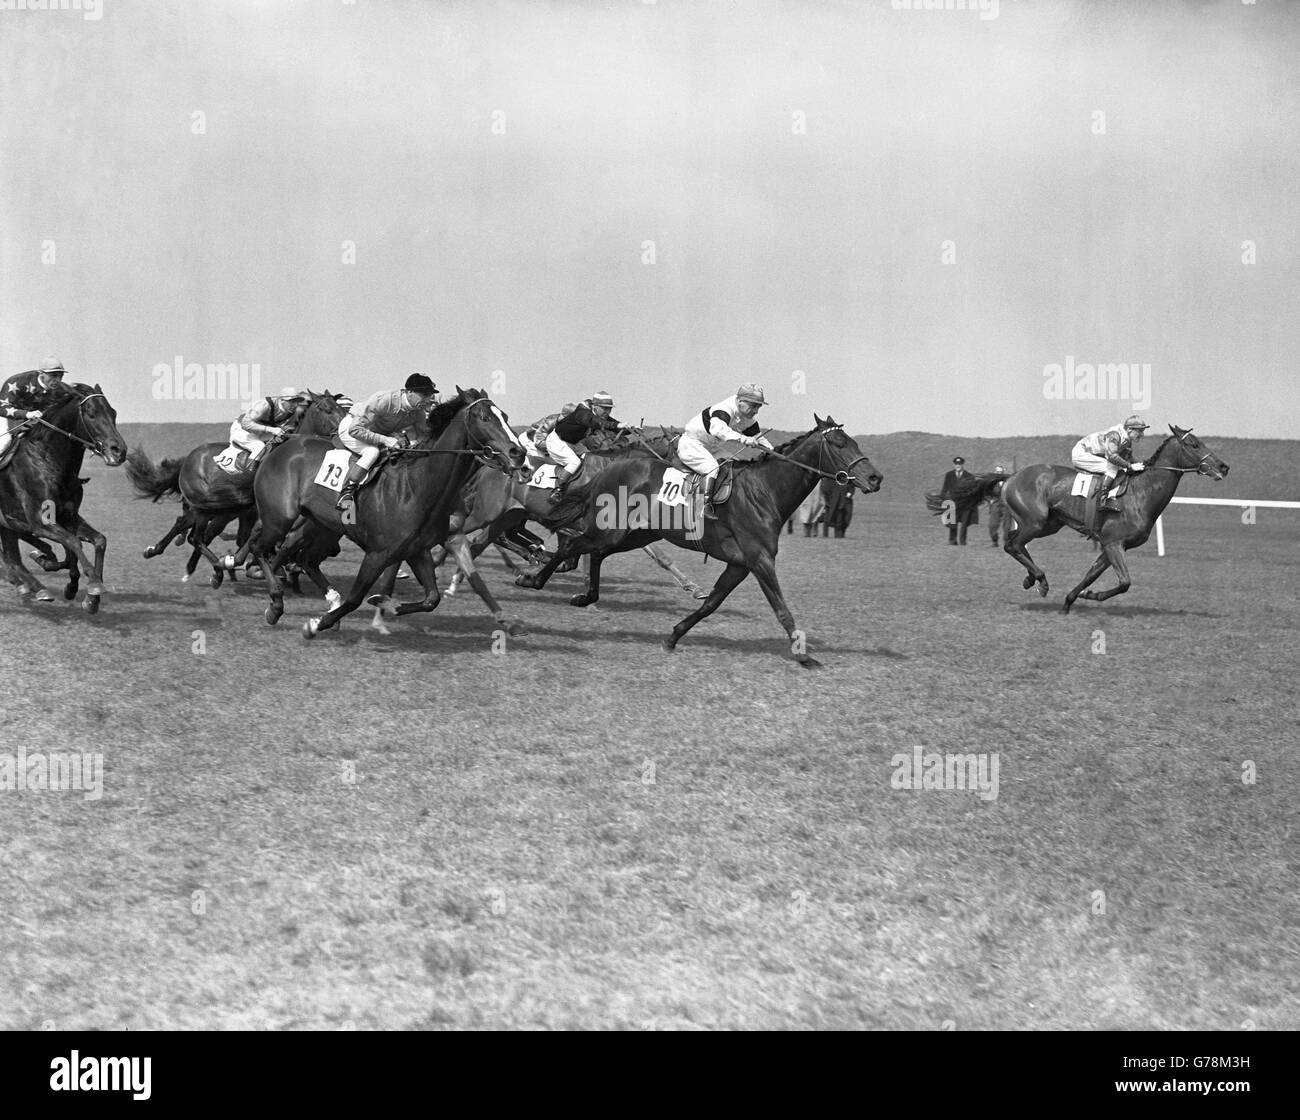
<point>586,831</point>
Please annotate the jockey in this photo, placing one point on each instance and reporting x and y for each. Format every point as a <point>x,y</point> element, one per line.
<point>1107,453</point>
<point>25,396</point>
<point>271,418</point>
<point>558,432</point>
<point>375,424</point>
<point>733,419</point>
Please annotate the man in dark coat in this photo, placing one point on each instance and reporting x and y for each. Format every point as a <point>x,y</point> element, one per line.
<point>839,506</point>
<point>961,515</point>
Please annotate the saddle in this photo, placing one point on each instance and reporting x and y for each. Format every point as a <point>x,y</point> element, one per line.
<point>722,486</point>
<point>1088,487</point>
<point>235,460</point>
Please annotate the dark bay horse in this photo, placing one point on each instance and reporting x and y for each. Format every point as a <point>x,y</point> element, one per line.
<point>212,498</point>
<point>745,533</point>
<point>41,488</point>
<point>1039,499</point>
<point>400,516</point>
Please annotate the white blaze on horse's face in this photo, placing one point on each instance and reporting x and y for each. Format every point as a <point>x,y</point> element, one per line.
<point>501,416</point>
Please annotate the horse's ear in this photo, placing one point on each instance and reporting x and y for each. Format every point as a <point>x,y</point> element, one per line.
<point>817,420</point>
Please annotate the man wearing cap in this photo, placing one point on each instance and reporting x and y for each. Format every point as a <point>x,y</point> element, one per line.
<point>268,419</point>
<point>734,419</point>
<point>558,432</point>
<point>25,396</point>
<point>964,517</point>
<point>383,422</point>
<point>1109,452</point>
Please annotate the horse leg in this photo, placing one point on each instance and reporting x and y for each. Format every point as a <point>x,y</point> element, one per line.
<point>27,583</point>
<point>1114,551</point>
<point>178,530</point>
<point>422,565</point>
<point>537,580</point>
<point>69,541</point>
<point>765,573</point>
<point>1089,577</point>
<point>683,580</point>
<point>732,576</point>
<point>586,598</point>
<point>1015,548</point>
<point>464,553</point>
<point>371,567</point>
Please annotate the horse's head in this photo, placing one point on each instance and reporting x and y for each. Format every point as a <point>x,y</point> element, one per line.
<point>840,454</point>
<point>323,413</point>
<point>1191,454</point>
<point>91,418</point>
<point>488,432</point>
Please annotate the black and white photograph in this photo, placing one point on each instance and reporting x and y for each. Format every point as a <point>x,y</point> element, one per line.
<point>650,515</point>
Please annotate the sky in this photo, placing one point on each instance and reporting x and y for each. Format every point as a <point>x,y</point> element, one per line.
<point>903,218</point>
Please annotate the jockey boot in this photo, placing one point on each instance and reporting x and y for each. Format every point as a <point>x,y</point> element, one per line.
<point>1105,496</point>
<point>356,472</point>
<point>562,480</point>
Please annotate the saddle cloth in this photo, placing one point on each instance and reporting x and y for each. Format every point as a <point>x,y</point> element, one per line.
<point>334,469</point>
<point>234,460</point>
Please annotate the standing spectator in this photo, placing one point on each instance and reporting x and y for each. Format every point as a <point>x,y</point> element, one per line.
<point>838,501</point>
<point>964,514</point>
<point>999,515</point>
<point>811,512</point>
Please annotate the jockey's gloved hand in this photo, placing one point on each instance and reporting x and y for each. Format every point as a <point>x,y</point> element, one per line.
<point>35,414</point>
<point>278,433</point>
<point>1137,466</point>
<point>749,441</point>
<point>763,441</point>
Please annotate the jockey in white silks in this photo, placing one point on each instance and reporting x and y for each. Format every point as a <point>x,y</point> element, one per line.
<point>374,425</point>
<point>1109,452</point>
<point>734,419</point>
<point>266,419</point>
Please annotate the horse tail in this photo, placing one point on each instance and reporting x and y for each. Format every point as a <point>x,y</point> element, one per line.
<point>150,481</point>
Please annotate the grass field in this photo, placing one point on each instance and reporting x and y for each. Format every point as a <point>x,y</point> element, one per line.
<point>586,831</point>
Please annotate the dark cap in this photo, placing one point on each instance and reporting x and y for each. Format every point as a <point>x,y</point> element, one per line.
<point>960,461</point>
<point>418,383</point>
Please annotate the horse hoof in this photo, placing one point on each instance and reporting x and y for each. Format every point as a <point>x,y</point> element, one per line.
<point>70,592</point>
<point>272,616</point>
<point>526,581</point>
<point>1042,589</point>
<point>1065,607</point>
<point>513,627</point>
<point>334,599</point>
<point>43,596</point>
<point>217,578</point>
<point>810,662</point>
<point>1029,582</point>
<point>149,553</point>
<point>670,644</point>
<point>581,600</point>
<point>310,627</point>
<point>185,578</point>
<point>91,605</point>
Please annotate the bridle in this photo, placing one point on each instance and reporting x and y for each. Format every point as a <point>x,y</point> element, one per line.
<point>488,456</point>
<point>94,443</point>
<point>1200,464</point>
<point>842,477</point>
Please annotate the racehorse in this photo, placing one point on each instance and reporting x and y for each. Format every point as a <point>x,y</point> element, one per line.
<point>1040,501</point>
<point>212,498</point>
<point>399,516</point>
<point>744,533</point>
<point>41,488</point>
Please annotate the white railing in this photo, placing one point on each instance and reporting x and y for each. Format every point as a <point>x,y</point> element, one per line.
<point>1241,503</point>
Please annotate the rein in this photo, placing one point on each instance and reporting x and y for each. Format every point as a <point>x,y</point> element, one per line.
<point>94,447</point>
<point>842,477</point>
<point>486,454</point>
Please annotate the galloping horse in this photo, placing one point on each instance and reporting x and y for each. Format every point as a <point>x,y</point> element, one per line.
<point>41,491</point>
<point>744,533</point>
<point>399,516</point>
<point>1039,499</point>
<point>212,498</point>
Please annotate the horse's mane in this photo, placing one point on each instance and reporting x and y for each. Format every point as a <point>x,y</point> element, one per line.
<point>785,448</point>
<point>1161,447</point>
<point>443,413</point>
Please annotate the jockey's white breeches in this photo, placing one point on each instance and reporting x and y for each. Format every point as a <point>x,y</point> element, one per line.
<point>563,454</point>
<point>368,452</point>
<point>696,456</point>
<point>1093,464</point>
<point>241,437</point>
